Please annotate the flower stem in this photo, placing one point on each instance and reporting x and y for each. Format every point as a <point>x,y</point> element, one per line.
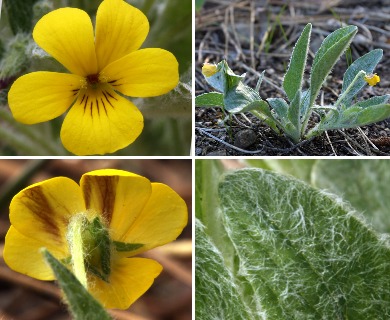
<point>75,241</point>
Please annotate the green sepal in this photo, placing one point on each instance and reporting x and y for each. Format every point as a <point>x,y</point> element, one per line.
<point>81,303</point>
<point>126,247</point>
<point>212,99</point>
<point>96,240</point>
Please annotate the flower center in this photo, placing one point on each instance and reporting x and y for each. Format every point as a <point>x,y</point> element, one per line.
<point>93,80</point>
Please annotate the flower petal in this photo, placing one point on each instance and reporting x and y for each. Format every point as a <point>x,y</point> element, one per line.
<point>100,122</point>
<point>67,35</point>
<point>42,210</point>
<point>120,29</point>
<point>144,73</point>
<point>23,255</point>
<point>42,96</point>
<point>129,279</point>
<point>118,196</point>
<point>161,221</point>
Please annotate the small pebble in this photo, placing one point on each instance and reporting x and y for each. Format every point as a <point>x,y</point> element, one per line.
<point>244,138</point>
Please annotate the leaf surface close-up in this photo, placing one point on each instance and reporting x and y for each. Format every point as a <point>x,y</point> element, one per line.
<point>298,252</point>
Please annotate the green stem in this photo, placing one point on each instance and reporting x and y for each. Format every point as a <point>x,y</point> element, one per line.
<point>75,241</point>
<point>349,88</point>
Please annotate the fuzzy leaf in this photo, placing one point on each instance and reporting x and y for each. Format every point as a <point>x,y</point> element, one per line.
<point>365,184</point>
<point>301,169</point>
<point>239,97</point>
<point>280,106</point>
<point>224,79</point>
<point>283,111</point>
<point>293,79</point>
<point>301,253</point>
<point>20,14</point>
<point>366,63</point>
<point>326,57</point>
<point>373,101</point>
<point>212,99</point>
<point>216,296</point>
<point>82,305</point>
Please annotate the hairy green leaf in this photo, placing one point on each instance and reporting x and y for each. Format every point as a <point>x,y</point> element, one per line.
<point>238,97</point>
<point>366,63</point>
<point>212,99</point>
<point>302,253</point>
<point>224,79</point>
<point>364,183</point>
<point>82,305</point>
<point>326,57</point>
<point>20,14</point>
<point>293,79</point>
<point>301,169</point>
<point>216,296</point>
<point>373,101</point>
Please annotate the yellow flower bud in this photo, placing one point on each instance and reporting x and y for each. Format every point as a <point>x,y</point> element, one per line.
<point>209,69</point>
<point>372,79</point>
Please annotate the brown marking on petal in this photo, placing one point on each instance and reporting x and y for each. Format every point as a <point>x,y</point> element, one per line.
<point>38,204</point>
<point>111,95</point>
<point>112,81</point>
<point>104,106</point>
<point>103,190</point>
<point>108,100</point>
<point>91,108</point>
<point>97,105</point>
<point>85,103</point>
<point>82,99</point>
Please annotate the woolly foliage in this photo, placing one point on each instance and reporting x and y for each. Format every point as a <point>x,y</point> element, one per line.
<point>216,296</point>
<point>291,251</point>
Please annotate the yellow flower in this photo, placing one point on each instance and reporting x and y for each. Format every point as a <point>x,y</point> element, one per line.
<point>209,69</point>
<point>372,79</point>
<point>100,120</point>
<point>135,214</point>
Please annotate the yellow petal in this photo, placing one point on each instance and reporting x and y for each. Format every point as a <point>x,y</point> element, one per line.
<point>42,210</point>
<point>100,122</point>
<point>372,79</point>
<point>120,29</point>
<point>209,69</point>
<point>23,255</point>
<point>67,35</point>
<point>144,73</point>
<point>118,196</point>
<point>129,279</point>
<point>161,221</point>
<point>42,96</point>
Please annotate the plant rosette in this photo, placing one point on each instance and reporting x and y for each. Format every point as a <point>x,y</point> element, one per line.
<point>95,229</point>
<point>103,66</point>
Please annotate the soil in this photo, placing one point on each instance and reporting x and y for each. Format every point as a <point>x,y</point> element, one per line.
<point>259,35</point>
